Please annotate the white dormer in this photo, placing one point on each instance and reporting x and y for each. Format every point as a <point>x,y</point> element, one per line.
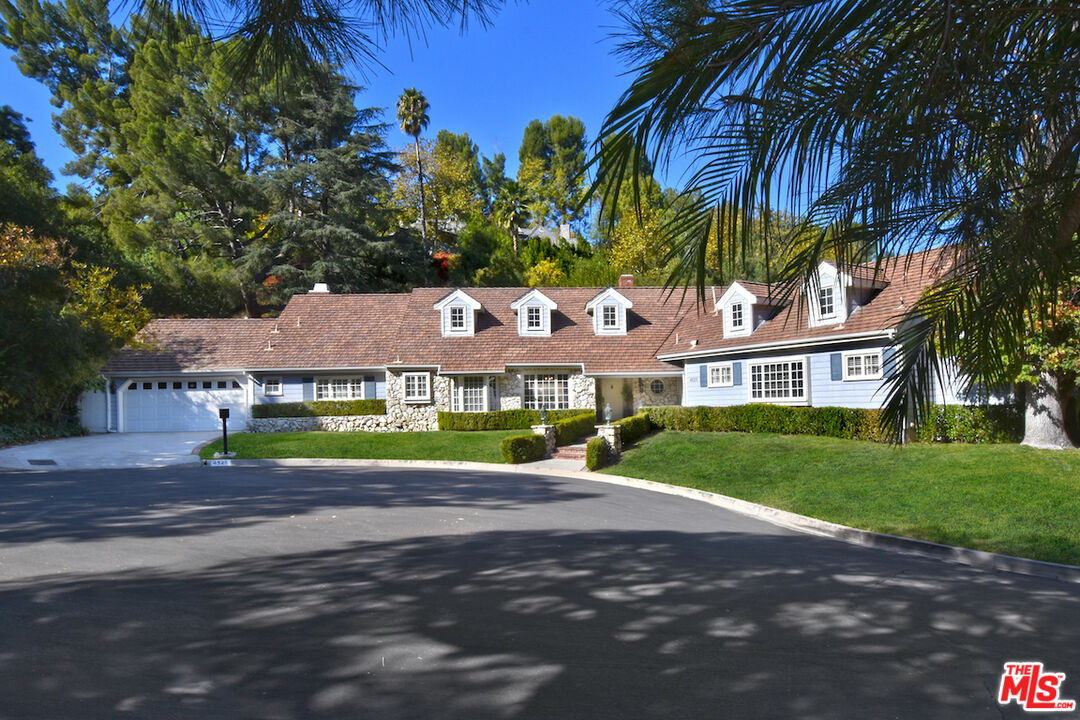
<point>458,312</point>
<point>737,306</point>
<point>609,312</point>
<point>827,298</point>
<point>534,313</point>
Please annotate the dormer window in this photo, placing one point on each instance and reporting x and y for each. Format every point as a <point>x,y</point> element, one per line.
<point>458,312</point>
<point>534,313</point>
<point>610,317</point>
<point>534,318</point>
<point>827,302</point>
<point>457,318</point>
<point>609,311</point>
<point>737,316</point>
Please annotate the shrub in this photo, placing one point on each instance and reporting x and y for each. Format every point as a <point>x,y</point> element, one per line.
<point>633,428</point>
<point>972,424</point>
<point>597,454</point>
<point>19,432</point>
<point>502,419</point>
<point>523,448</point>
<point>571,429</point>
<point>319,408</point>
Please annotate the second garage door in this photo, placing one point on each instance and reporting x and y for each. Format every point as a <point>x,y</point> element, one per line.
<point>182,404</point>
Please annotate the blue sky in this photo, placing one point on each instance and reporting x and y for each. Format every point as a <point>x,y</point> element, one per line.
<point>538,59</point>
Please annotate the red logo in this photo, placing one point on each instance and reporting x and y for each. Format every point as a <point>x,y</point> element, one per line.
<point>1032,689</point>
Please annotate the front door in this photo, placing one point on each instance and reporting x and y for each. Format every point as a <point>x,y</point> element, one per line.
<point>617,392</point>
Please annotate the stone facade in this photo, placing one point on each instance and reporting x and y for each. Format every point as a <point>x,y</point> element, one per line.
<point>510,389</point>
<point>329,423</point>
<point>582,392</point>
<point>645,397</point>
<point>415,416</point>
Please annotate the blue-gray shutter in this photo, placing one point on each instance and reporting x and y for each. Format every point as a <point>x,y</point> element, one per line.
<point>888,361</point>
<point>309,388</point>
<point>369,387</point>
<point>736,373</point>
<point>704,375</point>
<point>836,367</point>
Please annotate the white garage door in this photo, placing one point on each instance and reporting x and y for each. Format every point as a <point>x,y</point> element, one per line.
<point>182,404</point>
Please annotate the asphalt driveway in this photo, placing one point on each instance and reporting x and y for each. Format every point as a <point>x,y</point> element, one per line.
<point>110,450</point>
<point>194,592</point>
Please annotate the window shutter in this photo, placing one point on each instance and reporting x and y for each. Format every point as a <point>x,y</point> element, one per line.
<point>888,361</point>
<point>836,366</point>
<point>309,388</point>
<point>369,387</point>
<point>736,373</point>
<point>704,375</point>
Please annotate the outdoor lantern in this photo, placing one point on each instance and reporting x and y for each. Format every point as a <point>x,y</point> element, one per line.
<point>607,414</point>
<point>543,416</point>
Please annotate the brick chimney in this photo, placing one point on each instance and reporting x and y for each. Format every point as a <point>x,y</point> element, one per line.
<point>626,281</point>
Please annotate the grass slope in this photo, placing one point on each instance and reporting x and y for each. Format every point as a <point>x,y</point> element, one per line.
<point>1002,498</point>
<point>481,446</point>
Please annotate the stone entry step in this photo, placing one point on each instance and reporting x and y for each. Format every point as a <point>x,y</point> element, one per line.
<point>570,452</point>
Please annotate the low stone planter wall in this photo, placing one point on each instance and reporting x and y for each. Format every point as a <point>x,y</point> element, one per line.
<point>333,423</point>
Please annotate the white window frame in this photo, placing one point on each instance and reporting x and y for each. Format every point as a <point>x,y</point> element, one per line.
<point>788,399</point>
<point>453,328</point>
<point>614,308</point>
<point>416,397</point>
<point>742,316</point>
<point>832,302</point>
<point>560,388</point>
<point>862,355</point>
<point>327,388</point>
<point>457,398</point>
<point>273,387</point>
<point>539,326</point>
<point>720,368</point>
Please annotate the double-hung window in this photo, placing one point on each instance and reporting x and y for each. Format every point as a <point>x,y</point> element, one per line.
<point>534,318</point>
<point>417,387</point>
<point>457,318</point>
<point>339,389</point>
<point>272,386</point>
<point>737,316</point>
<point>826,301</point>
<point>721,375</point>
<point>862,366</point>
<point>778,381</point>
<point>470,394</point>
<point>609,317</point>
<point>547,392</point>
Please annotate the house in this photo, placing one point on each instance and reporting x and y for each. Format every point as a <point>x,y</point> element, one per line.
<point>480,349</point>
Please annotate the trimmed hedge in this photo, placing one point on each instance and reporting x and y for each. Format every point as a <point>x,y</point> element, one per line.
<point>633,428</point>
<point>849,423</point>
<point>28,431</point>
<point>597,454</point>
<point>523,448</point>
<point>570,429</point>
<point>503,419</point>
<point>972,424</point>
<point>319,408</point>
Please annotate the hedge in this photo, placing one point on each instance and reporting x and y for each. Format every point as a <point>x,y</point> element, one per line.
<point>20,432</point>
<point>972,424</point>
<point>571,429</point>
<point>503,419</point>
<point>523,448</point>
<point>633,428</point>
<point>596,453</point>
<point>319,408</point>
<point>836,422</point>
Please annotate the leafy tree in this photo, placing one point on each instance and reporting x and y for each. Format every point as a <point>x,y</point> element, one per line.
<point>412,114</point>
<point>494,178</point>
<point>552,168</point>
<point>25,195</point>
<point>511,210</point>
<point>902,125</point>
<point>546,273</point>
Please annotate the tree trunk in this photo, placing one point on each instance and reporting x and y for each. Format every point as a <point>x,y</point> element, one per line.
<point>1044,415</point>
<point>423,204</point>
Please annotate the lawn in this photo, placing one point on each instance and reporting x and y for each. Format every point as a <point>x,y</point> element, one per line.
<point>480,446</point>
<point>1003,498</point>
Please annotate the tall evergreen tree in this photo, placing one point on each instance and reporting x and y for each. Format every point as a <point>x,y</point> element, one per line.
<point>412,114</point>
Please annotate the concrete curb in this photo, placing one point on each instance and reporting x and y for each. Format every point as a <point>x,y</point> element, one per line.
<point>979,559</point>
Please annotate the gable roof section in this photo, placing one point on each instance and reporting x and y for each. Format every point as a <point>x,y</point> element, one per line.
<point>609,294</point>
<point>534,294</point>
<point>193,345</point>
<point>903,281</point>
<point>458,294</point>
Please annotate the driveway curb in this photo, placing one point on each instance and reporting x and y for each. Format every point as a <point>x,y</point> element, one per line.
<point>964,556</point>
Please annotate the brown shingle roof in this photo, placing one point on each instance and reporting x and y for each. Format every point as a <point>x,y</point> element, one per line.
<point>906,276</point>
<point>193,345</point>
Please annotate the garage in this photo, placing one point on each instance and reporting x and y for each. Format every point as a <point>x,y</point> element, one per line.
<point>182,404</point>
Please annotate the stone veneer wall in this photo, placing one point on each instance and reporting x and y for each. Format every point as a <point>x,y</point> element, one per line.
<point>645,397</point>
<point>329,423</point>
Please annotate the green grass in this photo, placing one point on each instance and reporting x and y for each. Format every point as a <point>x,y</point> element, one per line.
<point>1002,498</point>
<point>481,446</point>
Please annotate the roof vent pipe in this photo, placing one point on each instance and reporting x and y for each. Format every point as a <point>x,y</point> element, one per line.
<point>321,288</point>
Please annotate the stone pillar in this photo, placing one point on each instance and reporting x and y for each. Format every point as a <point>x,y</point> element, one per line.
<point>612,435</point>
<point>548,431</point>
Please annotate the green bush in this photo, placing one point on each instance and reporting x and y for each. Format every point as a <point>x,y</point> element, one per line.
<point>570,429</point>
<point>597,454</point>
<point>850,423</point>
<point>972,424</point>
<point>20,432</point>
<point>523,448</point>
<point>319,408</point>
<point>502,419</point>
<point>633,428</point>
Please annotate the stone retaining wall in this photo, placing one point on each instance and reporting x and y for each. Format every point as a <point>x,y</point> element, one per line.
<point>329,423</point>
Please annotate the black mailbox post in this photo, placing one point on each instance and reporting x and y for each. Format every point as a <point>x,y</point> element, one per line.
<point>223,413</point>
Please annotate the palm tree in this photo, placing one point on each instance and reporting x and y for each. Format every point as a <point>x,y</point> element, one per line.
<point>889,126</point>
<point>512,209</point>
<point>412,109</point>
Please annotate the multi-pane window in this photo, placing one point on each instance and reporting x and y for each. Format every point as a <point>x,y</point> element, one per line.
<point>272,386</point>
<point>457,318</point>
<point>470,395</point>
<point>737,316</point>
<point>826,301</point>
<point>610,317</point>
<point>417,387</point>
<point>720,375</point>
<point>339,389</point>
<point>862,366</point>
<point>534,318</point>
<point>550,392</point>
<point>779,381</point>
